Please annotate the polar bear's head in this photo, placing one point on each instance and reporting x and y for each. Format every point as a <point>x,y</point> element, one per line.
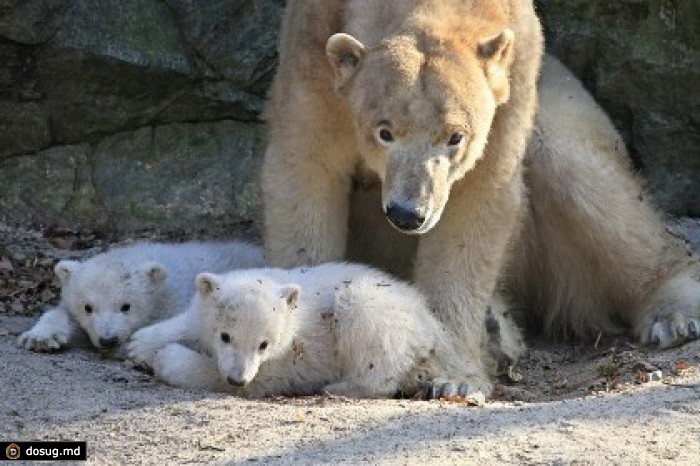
<point>423,107</point>
<point>246,319</point>
<point>110,299</point>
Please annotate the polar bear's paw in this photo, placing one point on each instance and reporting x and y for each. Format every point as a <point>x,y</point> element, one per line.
<point>44,338</point>
<point>449,389</point>
<point>673,329</point>
<point>672,315</point>
<point>170,364</point>
<point>142,347</point>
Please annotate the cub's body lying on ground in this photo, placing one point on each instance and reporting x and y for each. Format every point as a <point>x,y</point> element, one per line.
<point>339,328</point>
<point>113,294</point>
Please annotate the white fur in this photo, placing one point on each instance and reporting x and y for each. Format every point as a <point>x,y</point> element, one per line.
<point>153,279</point>
<point>339,328</point>
<point>593,253</point>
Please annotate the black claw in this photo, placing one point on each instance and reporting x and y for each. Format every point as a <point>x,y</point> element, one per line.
<point>449,390</point>
<point>436,390</point>
<point>693,329</point>
<point>463,389</point>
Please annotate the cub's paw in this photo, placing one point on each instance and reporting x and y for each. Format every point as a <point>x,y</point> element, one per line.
<point>453,390</point>
<point>353,390</point>
<point>44,338</point>
<point>338,389</point>
<point>671,330</point>
<point>142,347</point>
<point>168,363</point>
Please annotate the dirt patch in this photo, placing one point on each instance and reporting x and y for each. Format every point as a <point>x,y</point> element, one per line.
<point>588,403</point>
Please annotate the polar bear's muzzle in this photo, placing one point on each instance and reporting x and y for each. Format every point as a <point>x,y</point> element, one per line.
<point>236,382</point>
<point>406,219</point>
<point>414,189</point>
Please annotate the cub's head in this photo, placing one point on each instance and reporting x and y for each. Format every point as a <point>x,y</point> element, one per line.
<point>423,108</point>
<point>109,299</point>
<point>246,320</point>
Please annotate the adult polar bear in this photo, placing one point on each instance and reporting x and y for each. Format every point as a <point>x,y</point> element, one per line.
<point>438,99</point>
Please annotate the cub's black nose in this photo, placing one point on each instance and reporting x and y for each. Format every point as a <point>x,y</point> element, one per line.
<point>403,218</point>
<point>111,342</point>
<point>234,382</point>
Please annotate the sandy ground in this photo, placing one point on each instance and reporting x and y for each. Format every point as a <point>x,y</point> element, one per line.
<point>126,417</point>
<point>582,403</point>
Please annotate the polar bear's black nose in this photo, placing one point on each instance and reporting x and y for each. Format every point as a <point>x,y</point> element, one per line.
<point>403,218</point>
<point>111,342</point>
<point>234,382</point>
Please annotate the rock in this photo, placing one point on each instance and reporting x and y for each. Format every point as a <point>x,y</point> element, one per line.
<point>24,128</point>
<point>238,39</point>
<point>133,113</point>
<point>687,229</point>
<point>41,184</point>
<point>183,174</point>
<point>644,366</point>
<point>127,114</point>
<point>29,21</point>
<point>173,176</point>
<point>641,60</point>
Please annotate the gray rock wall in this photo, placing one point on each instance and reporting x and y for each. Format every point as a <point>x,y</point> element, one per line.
<point>133,113</point>
<point>125,114</point>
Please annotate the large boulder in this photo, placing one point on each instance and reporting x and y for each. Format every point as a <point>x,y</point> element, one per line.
<point>125,114</point>
<point>133,113</point>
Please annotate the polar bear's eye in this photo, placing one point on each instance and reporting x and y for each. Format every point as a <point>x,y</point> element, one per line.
<point>456,139</point>
<point>225,337</point>
<point>126,307</point>
<point>386,136</point>
<point>263,345</point>
<point>88,309</point>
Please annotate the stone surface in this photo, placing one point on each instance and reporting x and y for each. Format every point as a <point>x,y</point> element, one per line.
<point>133,113</point>
<point>126,114</point>
<point>172,176</point>
<point>641,59</point>
<point>188,174</point>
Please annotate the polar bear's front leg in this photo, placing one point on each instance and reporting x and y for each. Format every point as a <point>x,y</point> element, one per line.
<point>144,343</point>
<point>54,330</point>
<point>457,267</point>
<point>306,180</point>
<point>180,366</point>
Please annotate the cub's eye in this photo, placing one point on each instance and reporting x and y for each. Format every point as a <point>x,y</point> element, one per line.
<point>456,139</point>
<point>225,337</point>
<point>126,307</point>
<point>263,345</point>
<point>88,309</point>
<point>386,136</point>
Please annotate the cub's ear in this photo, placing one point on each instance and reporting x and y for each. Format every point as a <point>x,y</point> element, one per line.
<point>345,54</point>
<point>206,283</point>
<point>497,52</point>
<point>65,269</point>
<point>155,272</point>
<point>291,294</point>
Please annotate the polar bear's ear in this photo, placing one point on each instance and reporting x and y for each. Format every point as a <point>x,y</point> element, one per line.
<point>65,269</point>
<point>497,52</point>
<point>206,283</point>
<point>155,272</point>
<point>291,294</point>
<point>345,53</point>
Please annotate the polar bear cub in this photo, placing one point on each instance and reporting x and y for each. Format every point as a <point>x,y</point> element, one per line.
<point>339,328</point>
<point>113,294</point>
